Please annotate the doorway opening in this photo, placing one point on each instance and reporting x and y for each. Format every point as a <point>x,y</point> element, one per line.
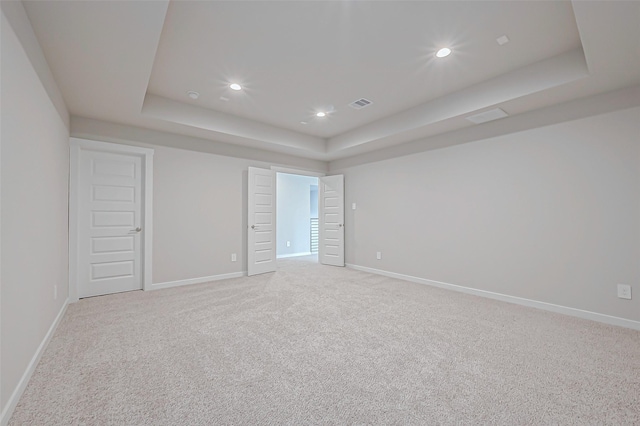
<point>296,215</point>
<point>267,236</point>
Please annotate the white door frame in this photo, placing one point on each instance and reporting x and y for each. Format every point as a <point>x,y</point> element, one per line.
<point>146,154</point>
<point>300,172</point>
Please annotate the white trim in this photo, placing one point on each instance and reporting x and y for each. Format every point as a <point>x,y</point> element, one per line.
<point>76,145</point>
<point>74,171</point>
<point>579,313</point>
<point>22,384</point>
<point>147,185</point>
<point>110,147</point>
<point>301,172</point>
<point>282,256</point>
<point>200,280</point>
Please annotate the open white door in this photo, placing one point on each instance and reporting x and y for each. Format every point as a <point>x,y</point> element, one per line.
<point>331,213</point>
<point>261,221</point>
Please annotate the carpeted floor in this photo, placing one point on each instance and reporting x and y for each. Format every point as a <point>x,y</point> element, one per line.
<point>314,344</point>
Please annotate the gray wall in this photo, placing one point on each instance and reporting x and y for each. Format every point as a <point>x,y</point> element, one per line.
<point>293,209</point>
<point>199,204</point>
<point>34,174</point>
<point>550,214</point>
<point>199,214</point>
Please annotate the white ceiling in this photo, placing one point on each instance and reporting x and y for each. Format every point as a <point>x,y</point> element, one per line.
<point>132,62</point>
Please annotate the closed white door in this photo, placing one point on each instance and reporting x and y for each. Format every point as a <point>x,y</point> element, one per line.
<point>261,221</point>
<point>331,214</point>
<point>109,223</point>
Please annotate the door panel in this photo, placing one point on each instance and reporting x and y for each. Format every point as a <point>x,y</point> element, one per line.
<point>101,271</point>
<point>331,213</point>
<point>112,219</point>
<point>110,206</point>
<point>112,244</point>
<point>261,232</point>
<point>113,193</point>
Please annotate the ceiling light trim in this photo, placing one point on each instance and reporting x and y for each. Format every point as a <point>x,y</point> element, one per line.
<point>443,52</point>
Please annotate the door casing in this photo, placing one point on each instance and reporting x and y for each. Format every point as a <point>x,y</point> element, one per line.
<point>146,154</point>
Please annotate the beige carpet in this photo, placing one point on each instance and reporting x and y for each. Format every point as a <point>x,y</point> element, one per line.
<point>314,344</point>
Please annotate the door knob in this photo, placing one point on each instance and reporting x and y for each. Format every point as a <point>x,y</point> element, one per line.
<point>138,229</point>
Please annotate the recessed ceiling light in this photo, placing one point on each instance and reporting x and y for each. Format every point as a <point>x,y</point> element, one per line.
<point>502,40</point>
<point>193,95</point>
<point>445,51</point>
<point>321,114</point>
<point>235,86</point>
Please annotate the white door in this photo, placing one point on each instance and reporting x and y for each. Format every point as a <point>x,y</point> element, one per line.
<point>261,221</point>
<point>331,213</point>
<point>109,223</point>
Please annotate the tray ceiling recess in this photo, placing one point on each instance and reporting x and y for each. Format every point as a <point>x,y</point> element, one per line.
<point>371,67</point>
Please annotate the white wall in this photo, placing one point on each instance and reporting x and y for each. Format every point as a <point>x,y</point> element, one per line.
<point>34,185</point>
<point>314,201</point>
<point>293,209</point>
<point>550,214</point>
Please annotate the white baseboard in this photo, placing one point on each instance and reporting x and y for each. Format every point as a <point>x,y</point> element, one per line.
<point>594,316</point>
<point>24,380</point>
<point>282,256</point>
<point>200,280</point>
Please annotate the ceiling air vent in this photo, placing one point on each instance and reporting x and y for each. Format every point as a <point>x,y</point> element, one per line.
<point>483,117</point>
<point>360,103</point>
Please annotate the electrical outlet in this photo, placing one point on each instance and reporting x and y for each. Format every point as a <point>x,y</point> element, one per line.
<point>378,255</point>
<point>288,243</point>
<point>624,291</point>
<point>353,206</point>
<point>55,292</point>
<point>233,257</point>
